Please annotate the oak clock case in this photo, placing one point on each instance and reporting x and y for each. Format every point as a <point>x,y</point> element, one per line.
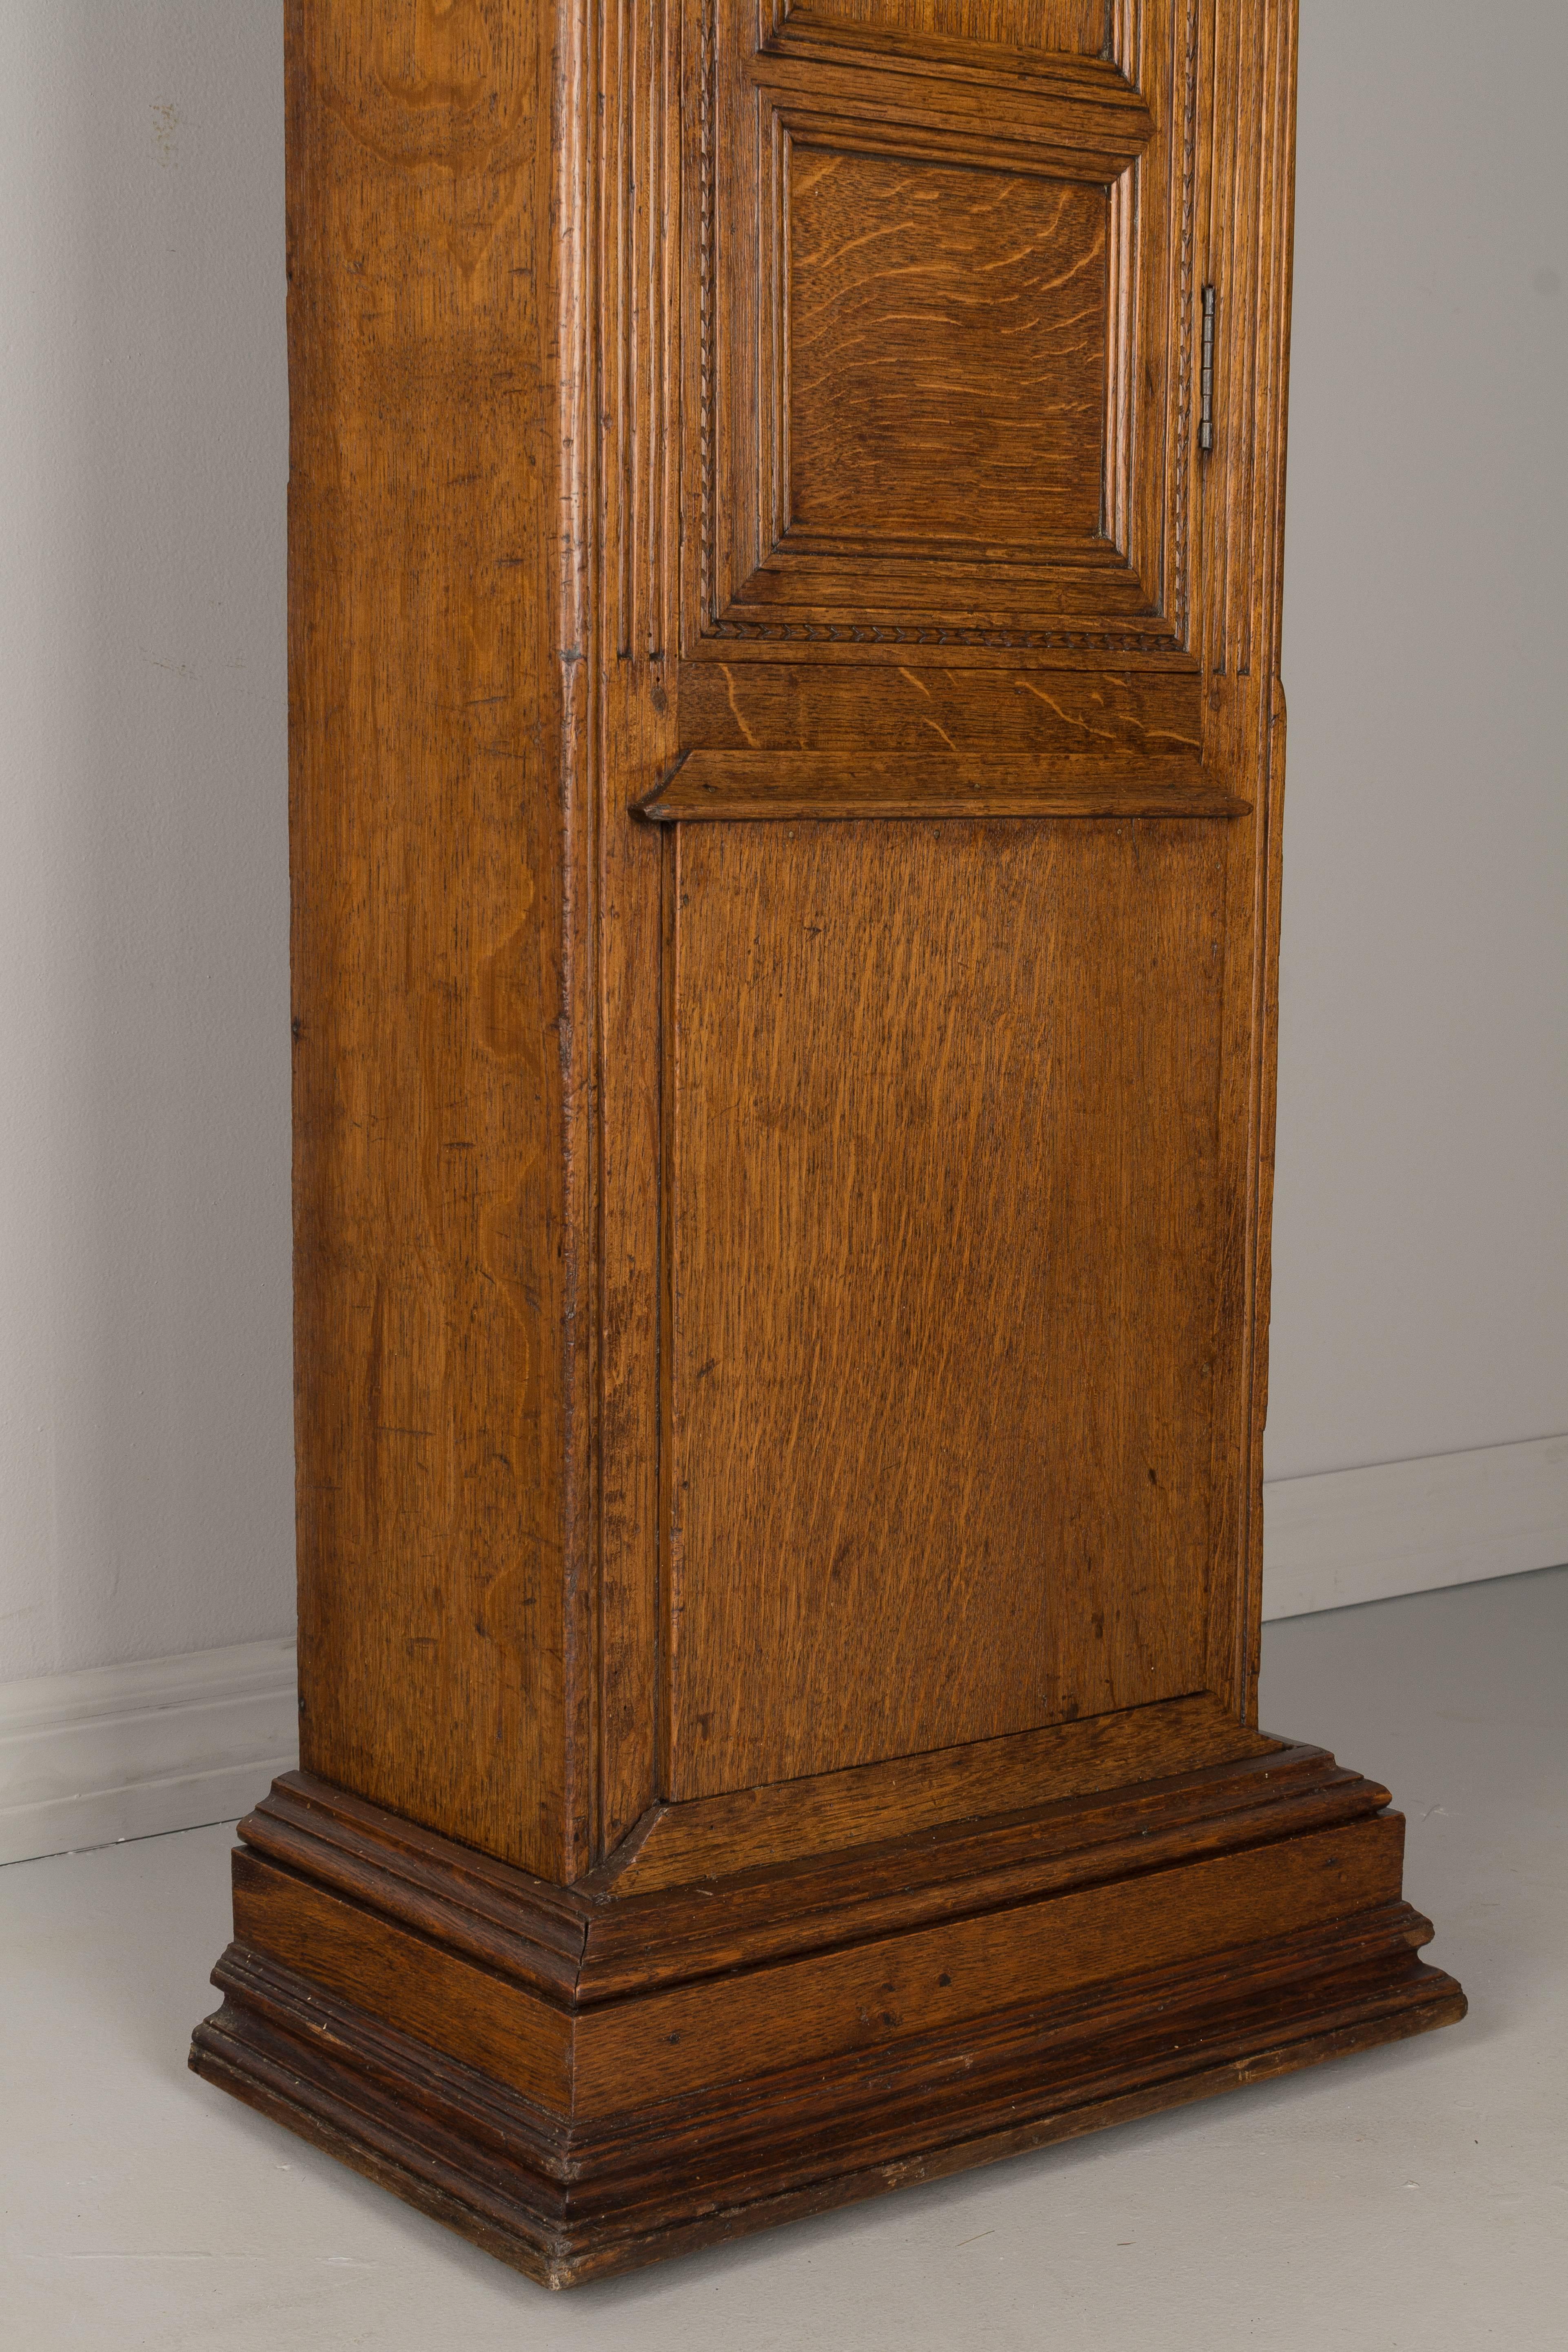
<point>786,753</point>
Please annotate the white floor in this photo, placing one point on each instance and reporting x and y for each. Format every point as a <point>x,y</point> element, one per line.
<point>1413,2198</point>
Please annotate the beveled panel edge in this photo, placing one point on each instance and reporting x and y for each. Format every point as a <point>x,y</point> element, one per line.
<point>791,1820</point>
<point>996,124</point>
<point>804,32</point>
<point>857,641</point>
<point>705,786</point>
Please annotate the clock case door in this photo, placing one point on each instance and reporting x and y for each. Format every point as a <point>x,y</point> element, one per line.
<point>963,772</point>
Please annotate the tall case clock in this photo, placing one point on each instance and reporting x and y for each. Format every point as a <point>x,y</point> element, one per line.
<point>786,754</point>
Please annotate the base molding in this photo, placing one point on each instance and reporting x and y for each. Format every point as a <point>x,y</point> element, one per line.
<point>565,2205</point>
<point>137,1751</point>
<point>582,2082</point>
<point>1345,1537</point>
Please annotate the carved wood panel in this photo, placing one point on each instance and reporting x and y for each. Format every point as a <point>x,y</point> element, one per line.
<point>937,364</point>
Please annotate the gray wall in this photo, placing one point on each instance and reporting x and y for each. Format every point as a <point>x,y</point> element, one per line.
<point>1421,1291</point>
<point>145,1496</point>
<point>1421,1250</point>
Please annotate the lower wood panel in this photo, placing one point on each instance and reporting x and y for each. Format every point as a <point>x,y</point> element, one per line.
<point>946,1353</point>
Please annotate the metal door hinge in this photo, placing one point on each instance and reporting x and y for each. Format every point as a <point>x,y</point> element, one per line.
<point>1206,417</point>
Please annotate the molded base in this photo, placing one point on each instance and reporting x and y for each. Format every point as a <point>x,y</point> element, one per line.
<point>581,2084</point>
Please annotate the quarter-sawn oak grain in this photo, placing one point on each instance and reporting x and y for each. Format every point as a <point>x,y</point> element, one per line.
<point>786,748</point>
<point>998,436</point>
<point>940,1452</point>
<point>578,2080</point>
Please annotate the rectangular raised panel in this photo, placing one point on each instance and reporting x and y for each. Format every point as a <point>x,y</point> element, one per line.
<point>1073,24</point>
<point>945,1285</point>
<point>947,347</point>
<point>937,338</point>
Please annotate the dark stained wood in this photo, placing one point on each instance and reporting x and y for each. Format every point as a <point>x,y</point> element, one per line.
<point>471,2160</point>
<point>943,1350</point>
<point>717,1835</point>
<point>439,1996</point>
<point>692,2110</point>
<point>781,1307</point>
<point>823,784</point>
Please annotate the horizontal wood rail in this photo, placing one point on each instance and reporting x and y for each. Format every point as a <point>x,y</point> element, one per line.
<point>827,784</point>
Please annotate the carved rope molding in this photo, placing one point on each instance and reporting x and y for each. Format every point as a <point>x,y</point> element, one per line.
<point>1181,552</point>
<point>707,299</point>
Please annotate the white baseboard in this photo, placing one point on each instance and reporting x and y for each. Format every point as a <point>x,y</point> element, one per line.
<point>169,1743</point>
<point>130,1751</point>
<point>1351,1536</point>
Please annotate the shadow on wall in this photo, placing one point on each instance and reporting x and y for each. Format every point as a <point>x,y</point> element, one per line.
<point>145,1474</point>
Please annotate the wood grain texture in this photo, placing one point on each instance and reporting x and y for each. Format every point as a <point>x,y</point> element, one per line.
<point>606,2123</point>
<point>800,705</point>
<point>944,1315</point>
<point>406,1979</point>
<point>432,832</point>
<point>717,1836</point>
<point>933,316</point>
<point>947,342</point>
<point>563,2207</point>
<point>705,786</point>
<point>678,2041</point>
<point>1082,26</point>
<point>634,740</point>
<point>781,1307</point>
<point>675,2042</point>
<point>856,1858</point>
<point>949,1873</point>
<point>431,1551</point>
